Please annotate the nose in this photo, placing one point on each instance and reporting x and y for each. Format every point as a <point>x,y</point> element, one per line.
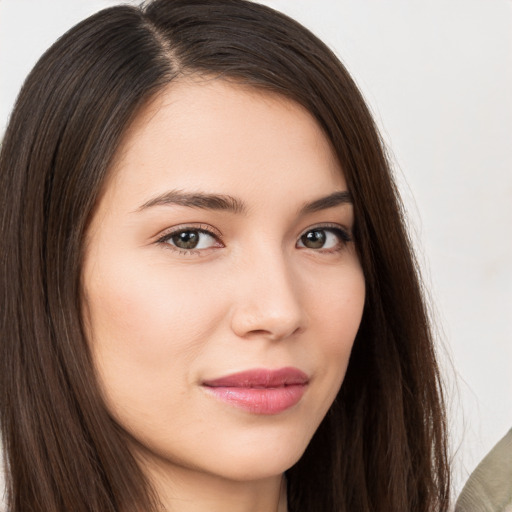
<point>269,300</point>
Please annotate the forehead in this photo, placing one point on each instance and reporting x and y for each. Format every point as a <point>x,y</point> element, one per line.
<point>217,135</point>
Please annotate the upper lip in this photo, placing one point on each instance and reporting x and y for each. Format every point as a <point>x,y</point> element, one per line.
<point>260,378</point>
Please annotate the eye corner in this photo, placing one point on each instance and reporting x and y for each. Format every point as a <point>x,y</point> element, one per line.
<point>325,238</point>
<point>192,242</point>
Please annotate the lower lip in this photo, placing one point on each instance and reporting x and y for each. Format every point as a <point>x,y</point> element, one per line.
<point>260,400</point>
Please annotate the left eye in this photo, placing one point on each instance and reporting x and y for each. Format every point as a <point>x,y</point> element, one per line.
<point>187,239</point>
<point>323,238</point>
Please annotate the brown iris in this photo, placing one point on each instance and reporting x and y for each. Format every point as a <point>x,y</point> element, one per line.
<point>186,239</point>
<point>314,239</point>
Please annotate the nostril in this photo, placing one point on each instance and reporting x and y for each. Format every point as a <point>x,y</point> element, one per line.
<point>274,312</point>
<point>259,332</point>
<point>275,334</point>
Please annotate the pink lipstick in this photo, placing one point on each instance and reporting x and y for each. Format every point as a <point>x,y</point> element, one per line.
<point>260,391</point>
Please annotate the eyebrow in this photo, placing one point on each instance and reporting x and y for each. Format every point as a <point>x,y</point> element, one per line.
<point>232,204</point>
<point>330,201</point>
<point>197,200</point>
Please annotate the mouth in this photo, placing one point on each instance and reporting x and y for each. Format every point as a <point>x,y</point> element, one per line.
<point>260,391</point>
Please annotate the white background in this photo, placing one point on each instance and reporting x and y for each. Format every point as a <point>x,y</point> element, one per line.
<point>438,77</point>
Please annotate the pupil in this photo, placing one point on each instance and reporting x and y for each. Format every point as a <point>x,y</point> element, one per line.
<point>186,239</point>
<point>314,239</point>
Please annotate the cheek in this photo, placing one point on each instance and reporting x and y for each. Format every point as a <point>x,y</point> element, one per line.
<point>337,305</point>
<point>145,329</point>
<point>146,309</point>
<point>337,315</point>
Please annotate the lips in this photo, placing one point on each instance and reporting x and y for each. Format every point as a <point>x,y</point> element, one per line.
<point>260,391</point>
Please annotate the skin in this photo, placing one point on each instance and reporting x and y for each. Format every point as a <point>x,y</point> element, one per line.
<point>255,293</point>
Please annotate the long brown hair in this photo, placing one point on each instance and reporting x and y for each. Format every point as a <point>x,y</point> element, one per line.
<point>382,445</point>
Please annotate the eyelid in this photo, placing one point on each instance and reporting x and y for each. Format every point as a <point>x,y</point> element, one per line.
<point>340,232</point>
<point>345,232</point>
<point>203,228</point>
<point>164,236</point>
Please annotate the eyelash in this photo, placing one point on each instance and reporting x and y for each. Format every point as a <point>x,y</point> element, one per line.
<point>343,235</point>
<point>199,228</point>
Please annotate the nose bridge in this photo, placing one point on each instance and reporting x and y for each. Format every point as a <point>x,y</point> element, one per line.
<point>269,301</point>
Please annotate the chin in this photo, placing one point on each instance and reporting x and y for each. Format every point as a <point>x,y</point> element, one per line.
<point>237,458</point>
<point>263,458</point>
<point>264,466</point>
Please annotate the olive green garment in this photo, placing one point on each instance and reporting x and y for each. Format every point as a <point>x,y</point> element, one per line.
<point>489,488</point>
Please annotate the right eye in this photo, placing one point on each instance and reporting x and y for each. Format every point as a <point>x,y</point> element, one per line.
<point>190,239</point>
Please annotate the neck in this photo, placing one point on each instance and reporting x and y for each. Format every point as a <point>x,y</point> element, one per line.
<point>185,490</point>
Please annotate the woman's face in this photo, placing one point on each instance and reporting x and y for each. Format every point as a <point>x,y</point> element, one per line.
<point>222,291</point>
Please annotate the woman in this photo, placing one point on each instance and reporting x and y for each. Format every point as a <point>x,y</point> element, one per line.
<point>209,298</point>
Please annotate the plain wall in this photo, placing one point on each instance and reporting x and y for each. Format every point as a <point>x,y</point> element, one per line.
<point>438,77</point>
